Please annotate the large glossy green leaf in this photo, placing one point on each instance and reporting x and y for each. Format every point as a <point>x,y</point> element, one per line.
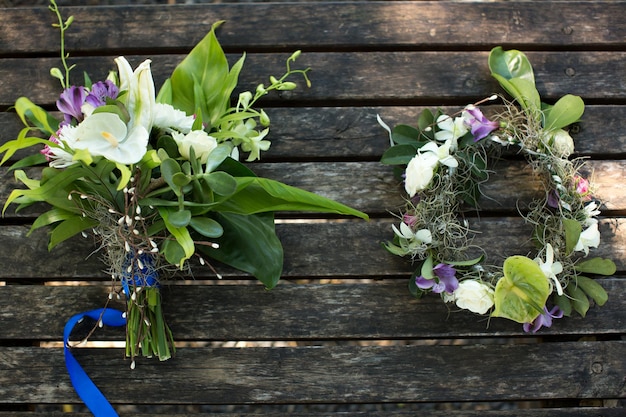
<point>522,292</point>
<point>203,80</point>
<point>599,266</point>
<point>522,90</point>
<point>250,244</point>
<point>566,111</point>
<point>259,195</point>
<point>510,64</point>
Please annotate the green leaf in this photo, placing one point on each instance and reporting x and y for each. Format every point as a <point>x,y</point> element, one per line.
<point>182,236</point>
<point>68,228</point>
<point>250,244</point>
<point>566,111</point>
<point>207,227</point>
<point>27,110</point>
<point>169,167</point>
<point>221,183</point>
<point>404,134</point>
<point>522,90</point>
<point>468,262</point>
<point>427,268</point>
<point>510,64</point>
<point>593,290</point>
<point>258,195</point>
<point>580,302</point>
<point>180,218</point>
<point>564,304</point>
<point>217,156</point>
<point>522,292</point>
<point>399,155</point>
<point>572,230</point>
<point>204,80</point>
<point>598,265</point>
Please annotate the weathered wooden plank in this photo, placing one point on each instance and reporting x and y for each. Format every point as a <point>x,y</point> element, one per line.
<point>361,25</point>
<point>333,374</point>
<point>416,78</point>
<point>375,410</point>
<point>378,310</point>
<point>372,187</point>
<point>353,132</point>
<point>340,249</point>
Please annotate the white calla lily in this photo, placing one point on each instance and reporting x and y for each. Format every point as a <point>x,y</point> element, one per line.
<point>105,134</point>
<point>140,99</point>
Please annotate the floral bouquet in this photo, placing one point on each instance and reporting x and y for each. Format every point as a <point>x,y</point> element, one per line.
<point>156,177</point>
<point>443,162</point>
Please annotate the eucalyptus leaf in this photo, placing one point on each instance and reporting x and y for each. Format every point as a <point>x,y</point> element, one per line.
<point>207,227</point>
<point>180,218</point>
<point>221,183</point>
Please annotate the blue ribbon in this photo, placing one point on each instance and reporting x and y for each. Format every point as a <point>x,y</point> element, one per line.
<point>84,386</point>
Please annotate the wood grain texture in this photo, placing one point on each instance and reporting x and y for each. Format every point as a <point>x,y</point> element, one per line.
<point>341,249</point>
<point>418,78</point>
<point>333,374</point>
<point>340,330</point>
<point>293,311</point>
<point>341,25</point>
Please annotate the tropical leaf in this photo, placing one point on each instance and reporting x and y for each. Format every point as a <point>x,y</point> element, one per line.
<point>566,111</point>
<point>522,292</point>
<point>259,195</point>
<point>250,244</point>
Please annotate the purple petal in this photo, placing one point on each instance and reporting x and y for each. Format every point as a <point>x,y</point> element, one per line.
<point>447,276</point>
<point>479,125</point>
<point>100,91</point>
<point>70,102</point>
<point>424,283</point>
<point>553,199</point>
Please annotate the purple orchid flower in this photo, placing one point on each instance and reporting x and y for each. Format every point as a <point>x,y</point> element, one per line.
<point>544,319</point>
<point>446,280</point>
<point>479,125</point>
<point>553,199</point>
<point>100,91</point>
<point>70,103</point>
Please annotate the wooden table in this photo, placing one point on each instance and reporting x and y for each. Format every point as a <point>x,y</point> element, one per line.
<point>341,332</point>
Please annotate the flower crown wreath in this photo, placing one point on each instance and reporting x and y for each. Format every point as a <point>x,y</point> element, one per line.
<point>444,161</point>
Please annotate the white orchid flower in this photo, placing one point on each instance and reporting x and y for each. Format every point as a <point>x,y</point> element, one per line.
<point>450,129</point>
<point>589,238</point>
<point>422,236</point>
<point>550,268</point>
<point>591,210</point>
<point>442,152</point>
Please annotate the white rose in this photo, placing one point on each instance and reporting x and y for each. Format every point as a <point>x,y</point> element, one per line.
<point>474,296</point>
<point>202,144</point>
<point>419,172</point>
<point>562,143</point>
